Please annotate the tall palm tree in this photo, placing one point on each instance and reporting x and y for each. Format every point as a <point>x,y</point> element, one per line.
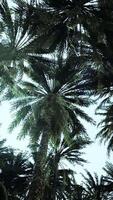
<point>49,105</point>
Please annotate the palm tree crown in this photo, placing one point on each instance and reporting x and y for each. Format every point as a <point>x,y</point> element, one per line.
<point>51,100</point>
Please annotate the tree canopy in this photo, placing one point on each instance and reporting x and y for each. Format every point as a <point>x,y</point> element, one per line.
<point>56,57</point>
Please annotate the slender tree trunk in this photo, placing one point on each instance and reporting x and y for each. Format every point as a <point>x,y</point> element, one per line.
<point>37,186</point>
<point>55,172</point>
<point>51,193</point>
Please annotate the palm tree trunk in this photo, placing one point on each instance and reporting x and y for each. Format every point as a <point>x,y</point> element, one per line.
<point>37,186</point>
<point>55,172</point>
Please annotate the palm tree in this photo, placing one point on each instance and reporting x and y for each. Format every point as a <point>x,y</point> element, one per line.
<point>79,193</point>
<point>61,182</point>
<point>16,172</point>
<point>109,179</point>
<point>63,26</point>
<point>18,41</point>
<point>101,82</point>
<point>49,105</point>
<point>94,187</point>
<point>61,187</point>
<point>17,36</point>
<point>3,192</point>
<point>68,27</point>
<point>14,37</point>
<point>106,124</point>
<point>103,77</point>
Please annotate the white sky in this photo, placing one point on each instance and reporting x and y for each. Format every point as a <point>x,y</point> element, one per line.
<point>95,154</point>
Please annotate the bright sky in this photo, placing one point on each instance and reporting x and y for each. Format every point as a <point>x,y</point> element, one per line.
<point>95,154</point>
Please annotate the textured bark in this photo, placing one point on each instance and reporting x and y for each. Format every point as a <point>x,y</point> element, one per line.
<point>37,186</point>
<point>55,176</point>
<point>51,187</point>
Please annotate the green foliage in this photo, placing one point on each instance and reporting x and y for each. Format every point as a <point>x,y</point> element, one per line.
<point>60,181</point>
<point>77,36</point>
<point>50,101</point>
<point>105,134</point>
<point>15,172</point>
<point>94,187</point>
